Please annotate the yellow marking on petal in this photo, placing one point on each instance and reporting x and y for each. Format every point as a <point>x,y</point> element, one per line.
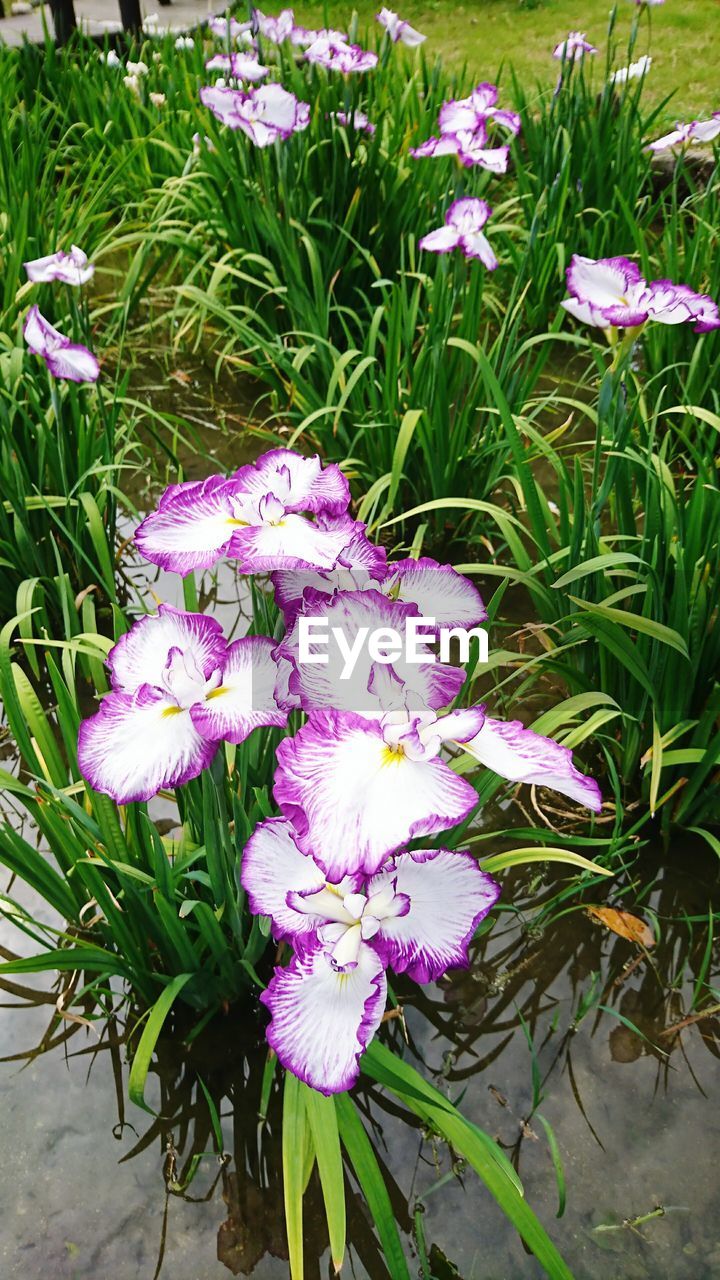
<point>215,693</point>
<point>392,755</point>
<point>172,711</point>
<point>242,524</point>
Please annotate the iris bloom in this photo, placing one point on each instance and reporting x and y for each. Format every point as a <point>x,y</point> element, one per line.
<point>464,221</point>
<point>633,72</point>
<point>468,115</point>
<point>241,66</point>
<point>573,47</point>
<point>338,55</point>
<point>357,789</point>
<point>417,915</point>
<point>178,690</point>
<point>695,131</point>
<point>611,293</point>
<point>265,115</point>
<point>470,148</point>
<point>284,512</point>
<point>398,29</point>
<point>436,590</point>
<point>368,686</point>
<point>65,359</point>
<point>69,268</point>
<point>274,29</point>
<point>229,28</point>
<point>357,120</point>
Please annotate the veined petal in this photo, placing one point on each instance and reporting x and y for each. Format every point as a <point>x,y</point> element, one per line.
<point>140,656</point>
<point>192,527</point>
<point>293,542</point>
<point>449,896</point>
<point>586,314</point>
<point>301,484</point>
<point>272,868</point>
<point>138,743</point>
<point>39,334</point>
<point>460,115</point>
<point>73,362</point>
<point>323,1020</point>
<point>523,756</point>
<point>477,245</point>
<point>438,591</point>
<point>245,699</point>
<point>353,800</point>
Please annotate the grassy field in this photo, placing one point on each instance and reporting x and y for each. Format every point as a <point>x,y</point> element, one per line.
<point>484,33</point>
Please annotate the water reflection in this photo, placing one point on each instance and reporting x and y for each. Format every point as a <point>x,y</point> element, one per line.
<point>558,1022</point>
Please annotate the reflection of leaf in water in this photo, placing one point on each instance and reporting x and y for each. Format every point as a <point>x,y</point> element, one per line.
<point>624,924</point>
<point>252,1228</point>
<point>442,1267</point>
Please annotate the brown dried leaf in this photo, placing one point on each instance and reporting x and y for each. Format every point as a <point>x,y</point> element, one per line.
<point>624,924</point>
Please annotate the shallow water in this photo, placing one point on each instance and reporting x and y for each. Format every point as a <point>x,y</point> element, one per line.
<point>634,1118</point>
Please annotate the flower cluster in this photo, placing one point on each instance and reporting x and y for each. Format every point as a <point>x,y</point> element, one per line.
<point>337,55</point>
<point>68,360</point>
<point>610,293</point>
<point>365,774</point>
<point>696,131</point>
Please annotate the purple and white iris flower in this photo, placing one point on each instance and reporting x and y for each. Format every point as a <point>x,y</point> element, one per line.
<point>178,690</point>
<point>356,790</point>
<point>635,71</point>
<point>266,115</point>
<point>356,120</point>
<point>69,361</point>
<point>611,293</point>
<point>470,149</point>
<point>696,131</point>
<point>284,512</point>
<point>275,29</point>
<point>464,221</point>
<point>68,268</point>
<point>399,30</point>
<point>229,28</point>
<point>416,915</point>
<point>573,47</point>
<point>338,55</point>
<point>468,115</point>
<point>241,66</point>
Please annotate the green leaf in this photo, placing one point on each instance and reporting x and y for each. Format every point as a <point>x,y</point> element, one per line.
<point>516,857</point>
<point>326,1141</point>
<point>294,1142</point>
<point>557,1163</point>
<point>369,1175</point>
<point>148,1040</point>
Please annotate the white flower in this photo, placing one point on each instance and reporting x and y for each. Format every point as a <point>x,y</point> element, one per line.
<point>158,99</point>
<point>137,68</point>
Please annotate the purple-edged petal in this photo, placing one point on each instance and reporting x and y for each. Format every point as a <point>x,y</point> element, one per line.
<point>301,484</point>
<point>245,700</point>
<point>472,151</point>
<point>445,146</point>
<point>73,363</point>
<point>520,755</point>
<point>241,66</point>
<point>437,591</point>
<point>449,896</point>
<point>138,743</point>
<point>586,314</point>
<point>322,1019</point>
<point>192,527</point>
<point>272,868</point>
<point>351,684</point>
<point>443,240</point>
<point>353,800</point>
<point>140,656</point>
<point>293,542</point>
<point>476,245</point>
